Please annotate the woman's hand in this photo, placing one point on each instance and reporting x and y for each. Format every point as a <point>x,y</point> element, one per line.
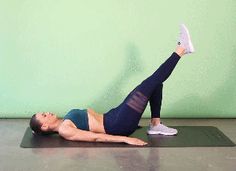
<point>135,141</point>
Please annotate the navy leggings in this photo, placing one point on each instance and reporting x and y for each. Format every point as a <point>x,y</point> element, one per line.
<point>124,119</point>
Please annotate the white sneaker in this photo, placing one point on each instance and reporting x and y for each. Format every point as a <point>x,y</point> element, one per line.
<point>185,39</point>
<point>161,129</point>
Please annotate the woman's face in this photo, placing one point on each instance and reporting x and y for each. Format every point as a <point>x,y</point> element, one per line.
<point>47,118</point>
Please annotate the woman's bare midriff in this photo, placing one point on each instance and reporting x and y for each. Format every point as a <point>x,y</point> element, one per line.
<point>95,121</point>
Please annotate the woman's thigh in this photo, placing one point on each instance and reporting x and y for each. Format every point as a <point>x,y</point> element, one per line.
<point>124,119</point>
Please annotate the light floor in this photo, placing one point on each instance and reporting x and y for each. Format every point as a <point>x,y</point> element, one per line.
<point>12,157</point>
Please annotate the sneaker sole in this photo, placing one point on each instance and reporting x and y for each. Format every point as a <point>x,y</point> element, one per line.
<point>191,48</point>
<point>159,132</point>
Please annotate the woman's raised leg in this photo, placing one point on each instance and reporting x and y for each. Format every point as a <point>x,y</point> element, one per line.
<point>124,119</point>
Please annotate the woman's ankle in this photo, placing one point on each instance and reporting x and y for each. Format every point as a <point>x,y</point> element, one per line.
<point>180,51</point>
<point>155,121</point>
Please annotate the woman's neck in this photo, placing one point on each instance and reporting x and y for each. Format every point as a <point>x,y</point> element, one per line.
<point>57,125</point>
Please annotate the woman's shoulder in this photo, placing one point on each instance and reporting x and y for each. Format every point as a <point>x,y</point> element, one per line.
<point>66,123</point>
<point>65,126</point>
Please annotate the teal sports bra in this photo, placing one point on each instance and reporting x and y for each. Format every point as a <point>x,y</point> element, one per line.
<point>79,118</point>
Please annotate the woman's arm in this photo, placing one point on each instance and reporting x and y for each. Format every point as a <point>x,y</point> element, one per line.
<point>74,134</point>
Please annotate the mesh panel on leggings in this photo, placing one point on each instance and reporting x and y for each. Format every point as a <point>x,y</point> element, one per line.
<point>137,101</point>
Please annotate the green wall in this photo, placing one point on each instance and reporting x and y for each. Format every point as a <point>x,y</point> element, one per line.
<point>57,55</point>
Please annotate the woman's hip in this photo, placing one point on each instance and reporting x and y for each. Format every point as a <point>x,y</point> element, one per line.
<point>121,121</point>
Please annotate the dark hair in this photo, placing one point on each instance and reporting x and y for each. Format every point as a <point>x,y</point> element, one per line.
<point>35,125</point>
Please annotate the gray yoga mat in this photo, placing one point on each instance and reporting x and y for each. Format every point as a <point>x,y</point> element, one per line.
<point>188,136</point>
